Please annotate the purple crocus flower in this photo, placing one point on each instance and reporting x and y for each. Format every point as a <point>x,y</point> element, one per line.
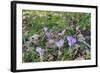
<point>71,40</point>
<point>48,35</point>
<point>40,51</point>
<point>60,43</point>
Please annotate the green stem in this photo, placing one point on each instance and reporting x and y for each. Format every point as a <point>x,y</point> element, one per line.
<point>59,53</point>
<point>70,51</point>
<point>41,58</point>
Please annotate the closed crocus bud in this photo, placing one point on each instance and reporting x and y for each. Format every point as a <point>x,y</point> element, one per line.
<point>48,35</point>
<point>71,40</point>
<point>60,43</point>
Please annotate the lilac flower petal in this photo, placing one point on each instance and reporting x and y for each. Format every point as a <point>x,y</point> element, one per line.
<point>69,43</point>
<point>40,51</point>
<point>71,40</point>
<point>60,43</point>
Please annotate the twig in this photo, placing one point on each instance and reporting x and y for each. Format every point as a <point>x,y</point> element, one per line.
<point>86,44</point>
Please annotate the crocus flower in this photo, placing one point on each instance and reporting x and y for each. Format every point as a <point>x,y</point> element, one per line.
<point>45,29</point>
<point>71,40</point>
<point>60,43</point>
<point>40,51</point>
<point>48,35</point>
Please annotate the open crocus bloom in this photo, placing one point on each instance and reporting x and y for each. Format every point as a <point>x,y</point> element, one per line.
<point>40,51</point>
<point>71,40</point>
<point>60,43</point>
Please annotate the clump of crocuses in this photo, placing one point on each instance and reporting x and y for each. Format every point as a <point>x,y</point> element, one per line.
<point>58,42</point>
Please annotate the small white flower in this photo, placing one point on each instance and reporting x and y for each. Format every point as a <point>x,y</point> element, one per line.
<point>45,29</point>
<point>35,36</point>
<point>40,51</point>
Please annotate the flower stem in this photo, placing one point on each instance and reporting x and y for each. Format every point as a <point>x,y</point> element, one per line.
<point>41,58</point>
<point>59,53</point>
<point>70,51</point>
